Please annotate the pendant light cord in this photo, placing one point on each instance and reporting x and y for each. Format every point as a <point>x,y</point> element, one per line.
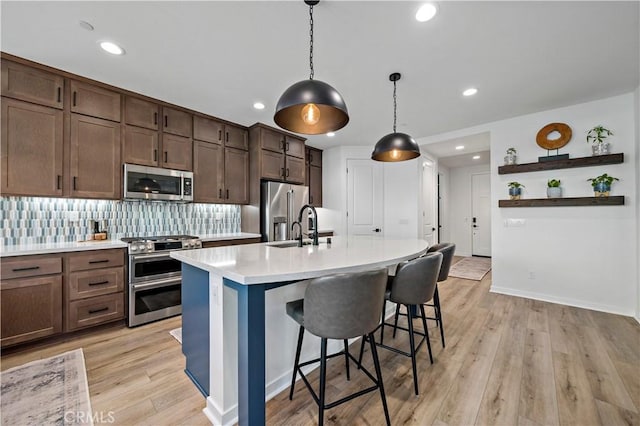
<point>311,41</point>
<point>395,107</point>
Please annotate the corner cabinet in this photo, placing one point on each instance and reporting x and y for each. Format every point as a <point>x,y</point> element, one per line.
<point>313,177</point>
<point>597,160</point>
<point>221,162</point>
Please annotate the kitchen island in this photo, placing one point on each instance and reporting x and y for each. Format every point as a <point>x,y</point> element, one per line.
<point>237,340</point>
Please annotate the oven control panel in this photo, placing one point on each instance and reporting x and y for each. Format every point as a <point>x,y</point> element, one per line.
<point>163,246</point>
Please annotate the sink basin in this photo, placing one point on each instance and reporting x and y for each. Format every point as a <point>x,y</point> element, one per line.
<point>287,244</point>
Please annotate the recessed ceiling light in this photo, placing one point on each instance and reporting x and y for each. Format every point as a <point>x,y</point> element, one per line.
<point>258,105</point>
<point>331,134</point>
<point>470,91</point>
<point>459,147</point>
<point>426,12</point>
<point>476,157</point>
<point>111,47</point>
<point>87,26</point>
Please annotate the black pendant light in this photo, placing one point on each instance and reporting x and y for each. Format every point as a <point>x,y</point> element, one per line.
<point>311,107</point>
<point>395,146</point>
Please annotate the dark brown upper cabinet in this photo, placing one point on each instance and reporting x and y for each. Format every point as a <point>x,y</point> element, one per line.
<point>208,130</point>
<point>313,178</point>
<point>141,146</point>
<point>236,176</point>
<point>32,85</point>
<point>141,113</point>
<point>32,149</point>
<point>281,155</point>
<point>95,101</point>
<point>177,152</point>
<point>177,122</point>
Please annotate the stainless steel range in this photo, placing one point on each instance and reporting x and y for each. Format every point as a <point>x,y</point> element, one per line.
<point>154,277</point>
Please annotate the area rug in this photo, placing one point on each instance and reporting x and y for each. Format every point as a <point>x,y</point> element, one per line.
<point>46,392</point>
<point>471,268</point>
<point>177,334</point>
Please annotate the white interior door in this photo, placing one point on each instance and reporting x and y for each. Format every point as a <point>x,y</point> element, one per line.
<point>429,202</point>
<point>481,214</point>
<point>364,197</point>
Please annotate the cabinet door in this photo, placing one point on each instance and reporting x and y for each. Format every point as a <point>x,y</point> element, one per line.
<point>236,176</point>
<point>208,130</point>
<point>208,172</point>
<point>294,147</point>
<point>273,141</point>
<point>31,308</point>
<point>295,170</point>
<point>315,185</point>
<point>95,101</point>
<point>177,152</point>
<point>272,165</point>
<point>31,149</point>
<point>177,122</point>
<point>236,137</point>
<point>140,146</point>
<point>314,157</point>
<point>138,112</point>
<point>32,85</point>
<point>95,158</point>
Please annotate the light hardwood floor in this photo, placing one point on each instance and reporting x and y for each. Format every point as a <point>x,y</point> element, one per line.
<point>508,361</point>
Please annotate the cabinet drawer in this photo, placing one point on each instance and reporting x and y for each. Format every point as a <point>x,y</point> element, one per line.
<point>32,85</point>
<point>96,259</point>
<point>95,283</point>
<point>96,310</point>
<point>95,101</point>
<point>30,266</point>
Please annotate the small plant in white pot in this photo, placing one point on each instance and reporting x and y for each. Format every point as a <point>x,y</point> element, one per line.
<point>602,184</point>
<point>597,136</point>
<point>554,190</point>
<point>511,157</point>
<point>515,190</point>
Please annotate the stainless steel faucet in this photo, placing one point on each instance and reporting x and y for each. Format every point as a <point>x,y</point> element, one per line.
<point>315,223</point>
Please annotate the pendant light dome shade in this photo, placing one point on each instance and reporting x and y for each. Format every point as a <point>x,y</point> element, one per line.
<point>311,107</point>
<point>395,146</point>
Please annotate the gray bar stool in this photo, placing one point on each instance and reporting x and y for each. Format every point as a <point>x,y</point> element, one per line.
<point>414,284</point>
<point>341,307</point>
<point>447,250</point>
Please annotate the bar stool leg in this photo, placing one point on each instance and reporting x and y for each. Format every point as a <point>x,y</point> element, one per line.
<point>436,303</point>
<point>384,305</point>
<point>323,376</point>
<point>346,357</point>
<point>361,351</point>
<point>395,321</point>
<point>413,349</point>
<point>426,332</point>
<point>295,364</point>
<point>376,363</point>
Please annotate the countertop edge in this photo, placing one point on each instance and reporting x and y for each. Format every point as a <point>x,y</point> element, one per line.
<point>53,248</point>
<point>229,237</point>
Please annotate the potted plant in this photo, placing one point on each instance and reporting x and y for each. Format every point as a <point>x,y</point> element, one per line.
<point>598,136</point>
<point>515,190</point>
<point>602,184</point>
<point>553,188</point>
<point>511,157</point>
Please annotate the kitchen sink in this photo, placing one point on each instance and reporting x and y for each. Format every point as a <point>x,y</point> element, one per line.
<point>287,244</point>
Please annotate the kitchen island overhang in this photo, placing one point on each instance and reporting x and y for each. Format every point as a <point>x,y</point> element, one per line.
<point>233,304</point>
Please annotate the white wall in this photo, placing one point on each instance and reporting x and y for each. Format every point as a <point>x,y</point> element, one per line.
<point>460,207</point>
<point>401,192</point>
<point>581,256</point>
<point>445,203</point>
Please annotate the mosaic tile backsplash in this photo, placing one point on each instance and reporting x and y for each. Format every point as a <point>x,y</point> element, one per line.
<point>32,220</point>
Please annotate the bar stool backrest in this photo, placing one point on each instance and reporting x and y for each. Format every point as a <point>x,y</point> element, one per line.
<point>447,250</point>
<point>415,280</point>
<point>344,306</point>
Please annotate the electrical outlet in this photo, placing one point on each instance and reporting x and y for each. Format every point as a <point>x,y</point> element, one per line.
<point>514,223</point>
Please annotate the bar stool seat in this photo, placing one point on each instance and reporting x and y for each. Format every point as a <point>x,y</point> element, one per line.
<point>340,307</point>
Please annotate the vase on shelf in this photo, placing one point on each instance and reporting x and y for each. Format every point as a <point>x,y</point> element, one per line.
<point>601,189</point>
<point>514,193</point>
<point>554,192</point>
<point>601,148</point>
<point>510,159</point>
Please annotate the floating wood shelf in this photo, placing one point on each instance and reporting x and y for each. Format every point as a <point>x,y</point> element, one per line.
<point>596,160</point>
<point>617,200</point>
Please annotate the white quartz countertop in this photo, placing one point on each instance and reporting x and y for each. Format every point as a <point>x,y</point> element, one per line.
<point>48,248</point>
<point>264,263</point>
<point>229,236</point>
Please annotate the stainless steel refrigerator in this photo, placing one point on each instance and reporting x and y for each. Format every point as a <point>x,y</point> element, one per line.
<point>279,208</point>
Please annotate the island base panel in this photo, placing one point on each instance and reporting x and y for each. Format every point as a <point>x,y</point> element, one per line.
<point>195,325</point>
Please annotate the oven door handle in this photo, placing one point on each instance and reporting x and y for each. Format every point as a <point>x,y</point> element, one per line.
<point>155,284</point>
<point>138,257</point>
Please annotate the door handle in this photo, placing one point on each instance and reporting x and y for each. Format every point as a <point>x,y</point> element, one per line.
<point>227,194</point>
<point>155,118</point>
<point>166,121</point>
<point>433,229</point>
<point>74,97</point>
<point>220,193</point>
<point>377,230</point>
<point>166,156</point>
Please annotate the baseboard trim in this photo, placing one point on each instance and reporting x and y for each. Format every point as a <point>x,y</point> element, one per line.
<point>562,301</point>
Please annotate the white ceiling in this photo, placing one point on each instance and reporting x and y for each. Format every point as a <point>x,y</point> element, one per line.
<point>220,57</point>
<point>449,156</point>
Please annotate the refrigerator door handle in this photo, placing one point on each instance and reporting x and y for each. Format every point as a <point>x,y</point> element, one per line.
<point>289,218</point>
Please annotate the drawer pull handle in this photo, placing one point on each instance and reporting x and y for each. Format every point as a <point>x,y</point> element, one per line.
<point>166,156</point>
<point>74,97</point>
<point>219,193</point>
<point>75,183</point>
<point>91,262</point>
<point>155,155</point>
<point>227,194</point>
<point>166,121</point>
<point>100,283</point>
<point>220,135</point>
<point>29,268</point>
<point>155,118</point>
<point>227,137</point>
<point>59,94</point>
<point>59,183</point>
<point>95,311</point>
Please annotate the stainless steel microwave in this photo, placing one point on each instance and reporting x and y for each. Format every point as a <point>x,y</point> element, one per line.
<point>154,183</point>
